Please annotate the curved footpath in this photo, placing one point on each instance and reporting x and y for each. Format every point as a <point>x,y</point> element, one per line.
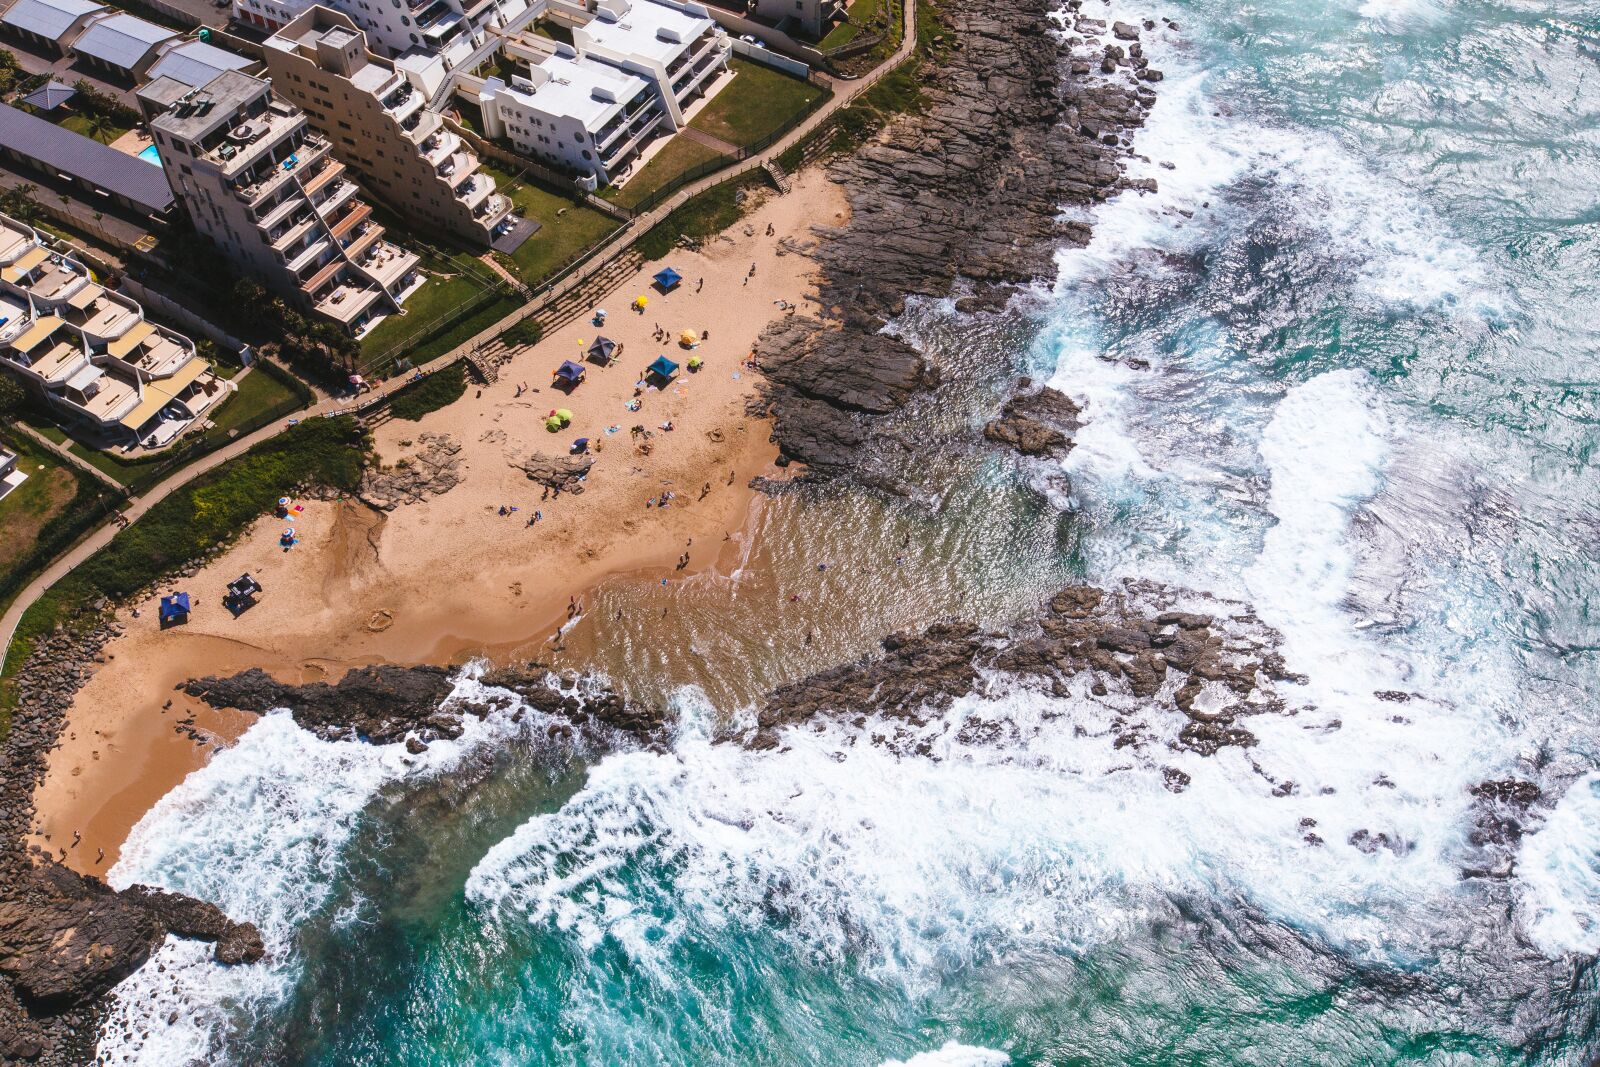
<point>137,506</point>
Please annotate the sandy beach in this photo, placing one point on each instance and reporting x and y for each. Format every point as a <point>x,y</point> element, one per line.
<point>451,577</point>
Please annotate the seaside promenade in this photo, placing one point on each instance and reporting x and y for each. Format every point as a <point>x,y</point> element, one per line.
<point>135,507</point>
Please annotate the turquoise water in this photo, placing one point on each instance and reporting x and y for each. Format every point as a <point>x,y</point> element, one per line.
<point>1341,368</point>
<point>151,154</point>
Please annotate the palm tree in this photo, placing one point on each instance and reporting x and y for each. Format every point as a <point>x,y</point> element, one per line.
<point>101,128</point>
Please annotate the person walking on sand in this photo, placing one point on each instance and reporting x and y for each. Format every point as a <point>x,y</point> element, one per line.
<point>699,285</point>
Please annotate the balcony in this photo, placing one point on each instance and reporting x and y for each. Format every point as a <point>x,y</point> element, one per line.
<point>344,303</point>
<point>474,190</point>
<point>323,276</point>
<point>293,235</point>
<point>262,182</point>
<point>386,264</point>
<point>357,215</point>
<point>456,168</point>
<point>106,319</point>
<point>366,235</point>
<point>281,212</point>
<point>322,177</point>
<point>309,255</point>
<point>337,199</point>
<point>437,147</point>
<point>64,359</point>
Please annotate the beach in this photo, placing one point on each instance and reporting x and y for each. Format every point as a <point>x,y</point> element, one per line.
<point>465,573</point>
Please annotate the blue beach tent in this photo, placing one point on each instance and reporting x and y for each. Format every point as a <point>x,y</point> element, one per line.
<point>174,608</point>
<point>668,279</point>
<point>663,368</point>
<point>569,372</point>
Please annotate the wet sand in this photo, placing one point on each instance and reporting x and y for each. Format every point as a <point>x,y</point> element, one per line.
<point>450,578</point>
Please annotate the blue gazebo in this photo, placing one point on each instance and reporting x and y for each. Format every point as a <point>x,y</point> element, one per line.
<point>569,373</point>
<point>174,609</point>
<point>663,368</point>
<point>602,349</point>
<point>668,279</point>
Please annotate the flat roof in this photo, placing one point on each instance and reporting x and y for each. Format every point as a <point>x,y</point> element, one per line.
<point>571,89</point>
<point>48,18</point>
<point>53,148</point>
<point>227,92</point>
<point>195,63</point>
<point>122,40</point>
<point>648,30</point>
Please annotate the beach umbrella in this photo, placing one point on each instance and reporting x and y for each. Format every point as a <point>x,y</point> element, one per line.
<point>580,445</point>
<point>553,423</point>
<point>689,337</point>
<point>668,279</point>
<point>564,415</point>
<point>640,302</point>
<point>694,362</point>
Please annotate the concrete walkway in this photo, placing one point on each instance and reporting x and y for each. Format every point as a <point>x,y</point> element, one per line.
<point>137,506</point>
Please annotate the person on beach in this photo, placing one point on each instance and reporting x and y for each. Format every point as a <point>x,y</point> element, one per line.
<point>699,285</point>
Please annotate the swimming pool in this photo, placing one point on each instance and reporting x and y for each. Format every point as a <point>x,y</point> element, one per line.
<point>151,155</point>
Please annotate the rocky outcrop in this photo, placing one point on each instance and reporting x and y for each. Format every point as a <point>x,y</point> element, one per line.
<point>1215,671</point>
<point>385,704</point>
<point>1037,424</point>
<point>65,938</point>
<point>557,472</point>
<point>381,703</point>
<point>972,186</point>
<point>433,469</point>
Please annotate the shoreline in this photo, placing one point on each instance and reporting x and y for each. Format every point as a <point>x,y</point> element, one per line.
<point>448,578</point>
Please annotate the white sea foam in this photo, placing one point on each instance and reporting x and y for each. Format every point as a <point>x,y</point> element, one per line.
<point>260,831</point>
<point>1404,16</point>
<point>954,1054</point>
<point>1560,873</point>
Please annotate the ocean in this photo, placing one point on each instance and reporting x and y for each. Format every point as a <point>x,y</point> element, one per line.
<point>1340,368</point>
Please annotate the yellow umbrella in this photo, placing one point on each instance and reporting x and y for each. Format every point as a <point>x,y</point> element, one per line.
<point>689,337</point>
<point>643,301</point>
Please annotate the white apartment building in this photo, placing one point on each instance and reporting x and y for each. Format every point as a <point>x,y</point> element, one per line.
<point>674,44</point>
<point>266,189</point>
<point>449,28</point>
<point>373,113</point>
<point>632,71</point>
<point>89,353</point>
<point>572,112</point>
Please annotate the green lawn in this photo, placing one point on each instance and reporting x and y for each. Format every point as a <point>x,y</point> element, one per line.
<point>756,104</point>
<point>426,310</point>
<point>567,228</point>
<point>680,155</point>
<point>861,12</point>
<point>259,392</point>
<point>30,508</point>
<point>81,123</point>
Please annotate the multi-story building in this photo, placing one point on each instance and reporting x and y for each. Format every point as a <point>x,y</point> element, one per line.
<point>89,352</point>
<point>375,116</point>
<point>807,18</point>
<point>449,28</point>
<point>265,188</point>
<point>674,44</point>
<point>572,112</point>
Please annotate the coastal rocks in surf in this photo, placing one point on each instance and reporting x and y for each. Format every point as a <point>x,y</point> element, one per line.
<point>1214,670</point>
<point>386,704</point>
<point>433,469</point>
<point>1036,423</point>
<point>972,186</point>
<point>66,939</point>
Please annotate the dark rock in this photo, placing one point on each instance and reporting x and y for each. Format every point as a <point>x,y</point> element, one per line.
<point>1036,424</point>
<point>185,916</point>
<point>380,703</point>
<point>970,186</point>
<point>1124,32</point>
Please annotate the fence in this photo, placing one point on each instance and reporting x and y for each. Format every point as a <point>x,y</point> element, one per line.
<point>767,57</point>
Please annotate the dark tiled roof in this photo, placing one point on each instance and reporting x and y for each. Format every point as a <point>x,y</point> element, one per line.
<point>56,149</point>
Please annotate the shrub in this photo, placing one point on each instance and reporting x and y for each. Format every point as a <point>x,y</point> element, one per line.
<point>439,389</point>
<point>522,333</point>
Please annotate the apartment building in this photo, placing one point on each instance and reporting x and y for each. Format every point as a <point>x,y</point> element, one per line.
<point>673,44</point>
<point>374,115</point>
<point>89,353</point>
<point>266,189</point>
<point>572,112</point>
<point>448,28</point>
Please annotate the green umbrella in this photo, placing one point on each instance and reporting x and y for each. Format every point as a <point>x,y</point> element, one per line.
<point>564,415</point>
<point>553,423</point>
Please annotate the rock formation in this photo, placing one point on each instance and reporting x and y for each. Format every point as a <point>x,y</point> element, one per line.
<point>971,186</point>
<point>1036,424</point>
<point>433,469</point>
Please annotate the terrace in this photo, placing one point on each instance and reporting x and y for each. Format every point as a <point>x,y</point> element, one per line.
<point>113,396</point>
<point>346,302</point>
<point>387,264</point>
<point>62,358</point>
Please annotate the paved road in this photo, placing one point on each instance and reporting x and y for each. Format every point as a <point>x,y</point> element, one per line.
<point>139,505</point>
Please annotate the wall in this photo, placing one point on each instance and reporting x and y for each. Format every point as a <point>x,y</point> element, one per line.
<point>767,57</point>
<point>782,42</point>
